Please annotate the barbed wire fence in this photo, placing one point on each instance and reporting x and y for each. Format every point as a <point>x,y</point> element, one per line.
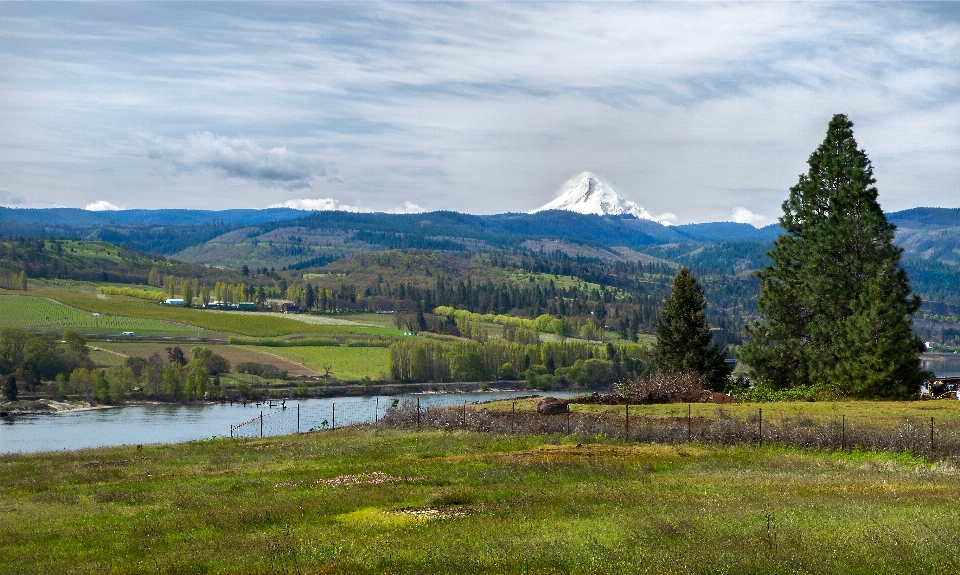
<point>628,423</point>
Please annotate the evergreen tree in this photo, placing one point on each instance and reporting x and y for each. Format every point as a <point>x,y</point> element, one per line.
<point>684,341</point>
<point>834,301</point>
<point>10,389</point>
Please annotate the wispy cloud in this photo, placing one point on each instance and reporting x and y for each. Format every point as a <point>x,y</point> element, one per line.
<point>235,158</point>
<point>472,106</point>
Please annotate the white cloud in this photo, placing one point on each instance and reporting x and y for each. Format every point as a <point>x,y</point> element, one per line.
<point>742,215</point>
<point>101,206</point>
<point>332,205</point>
<point>408,208</point>
<point>666,218</point>
<point>317,204</point>
<point>236,158</point>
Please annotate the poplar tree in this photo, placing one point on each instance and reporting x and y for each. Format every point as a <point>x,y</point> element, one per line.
<point>834,302</point>
<point>684,342</point>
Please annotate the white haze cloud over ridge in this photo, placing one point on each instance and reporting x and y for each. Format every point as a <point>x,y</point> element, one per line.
<point>101,206</point>
<point>235,158</point>
<point>742,215</point>
<point>479,107</point>
<point>330,204</point>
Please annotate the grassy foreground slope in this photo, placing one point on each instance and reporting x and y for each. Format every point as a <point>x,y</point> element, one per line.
<point>460,502</point>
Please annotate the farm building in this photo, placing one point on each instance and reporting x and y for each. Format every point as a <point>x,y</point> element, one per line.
<point>175,301</point>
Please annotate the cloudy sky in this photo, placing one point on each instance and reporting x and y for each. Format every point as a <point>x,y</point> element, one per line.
<point>706,111</point>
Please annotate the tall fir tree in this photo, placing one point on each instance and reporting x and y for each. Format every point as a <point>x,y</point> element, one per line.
<point>834,302</point>
<point>684,341</point>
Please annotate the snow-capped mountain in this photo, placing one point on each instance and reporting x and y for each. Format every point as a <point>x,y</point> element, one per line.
<point>586,194</point>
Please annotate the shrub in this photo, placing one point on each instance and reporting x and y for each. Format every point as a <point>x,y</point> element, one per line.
<point>664,387</point>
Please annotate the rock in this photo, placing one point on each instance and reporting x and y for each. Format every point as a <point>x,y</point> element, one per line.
<point>552,406</point>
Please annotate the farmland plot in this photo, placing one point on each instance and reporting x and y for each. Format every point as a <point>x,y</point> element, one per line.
<point>41,314</point>
<point>233,353</point>
<point>347,363</point>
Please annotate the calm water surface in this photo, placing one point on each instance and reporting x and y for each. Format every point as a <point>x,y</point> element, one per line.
<point>144,424</point>
<point>943,365</point>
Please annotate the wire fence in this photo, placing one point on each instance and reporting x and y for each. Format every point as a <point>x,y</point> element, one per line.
<point>286,416</point>
<point>921,437</point>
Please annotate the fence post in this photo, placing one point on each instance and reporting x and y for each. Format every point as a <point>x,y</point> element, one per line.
<point>261,423</point>
<point>513,418</point>
<point>760,424</point>
<point>931,436</point>
<point>464,416</point>
<point>376,409</point>
<point>568,422</point>
<point>843,433</point>
<point>298,418</point>
<point>333,416</point>
<point>418,413</point>
<point>627,424</point>
<point>688,423</point>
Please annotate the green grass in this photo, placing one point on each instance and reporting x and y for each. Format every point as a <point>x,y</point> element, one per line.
<point>349,363</point>
<point>472,503</point>
<point>875,412</point>
<point>218,321</point>
<point>34,313</point>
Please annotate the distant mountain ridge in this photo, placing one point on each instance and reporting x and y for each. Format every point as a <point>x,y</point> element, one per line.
<point>931,234</point>
<point>81,217</point>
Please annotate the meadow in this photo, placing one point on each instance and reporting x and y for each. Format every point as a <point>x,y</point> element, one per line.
<point>347,363</point>
<point>385,501</point>
<point>36,313</point>
<point>876,412</point>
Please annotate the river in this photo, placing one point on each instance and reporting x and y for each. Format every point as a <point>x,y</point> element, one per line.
<point>143,424</point>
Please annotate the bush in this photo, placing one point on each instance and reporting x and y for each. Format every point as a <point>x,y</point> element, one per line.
<point>664,387</point>
<point>264,370</point>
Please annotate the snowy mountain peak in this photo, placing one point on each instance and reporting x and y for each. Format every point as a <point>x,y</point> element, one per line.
<point>586,194</point>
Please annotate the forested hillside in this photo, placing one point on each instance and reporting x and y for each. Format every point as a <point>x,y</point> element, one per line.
<point>611,271</point>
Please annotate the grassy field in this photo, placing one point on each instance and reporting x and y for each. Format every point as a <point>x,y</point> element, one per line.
<point>233,353</point>
<point>348,363</point>
<point>216,321</point>
<point>876,412</point>
<point>355,501</point>
<point>41,314</point>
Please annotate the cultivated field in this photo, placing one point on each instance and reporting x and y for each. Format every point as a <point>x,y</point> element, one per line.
<point>35,313</point>
<point>348,363</point>
<point>355,501</point>
<point>222,322</point>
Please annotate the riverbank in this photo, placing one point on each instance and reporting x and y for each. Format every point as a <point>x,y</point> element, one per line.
<point>45,407</point>
<point>363,501</point>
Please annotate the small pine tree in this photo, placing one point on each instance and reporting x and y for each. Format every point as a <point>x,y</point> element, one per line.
<point>10,389</point>
<point>684,342</point>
